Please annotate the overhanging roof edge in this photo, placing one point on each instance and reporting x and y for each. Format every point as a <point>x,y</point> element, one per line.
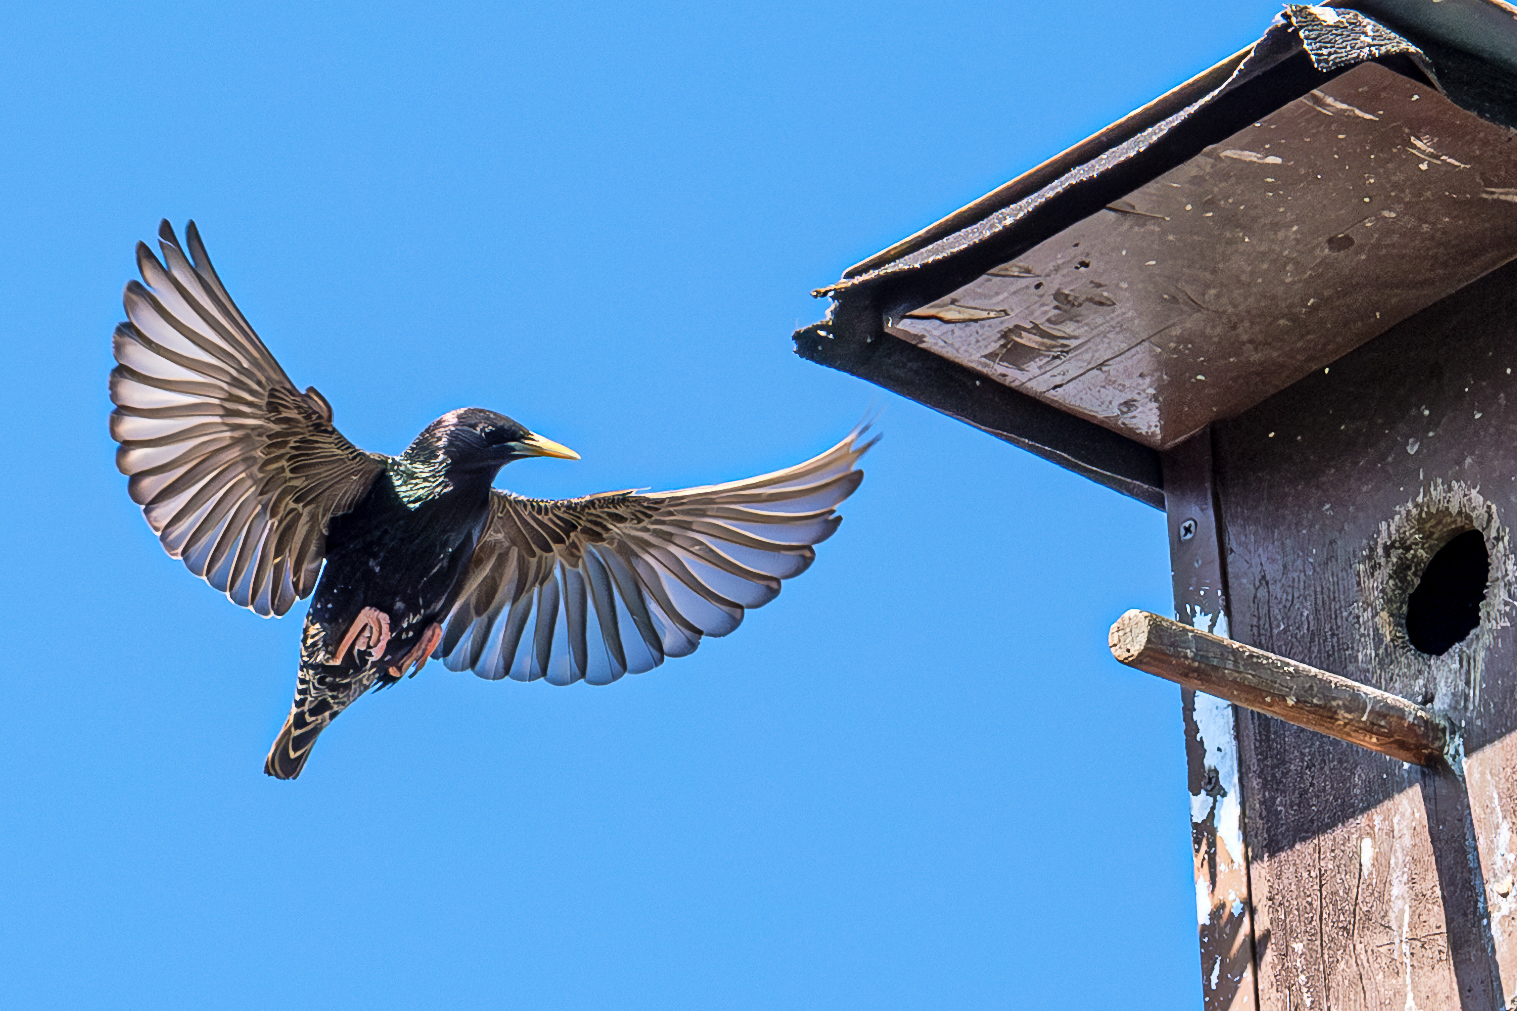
<point>1301,50</point>
<point>852,342</point>
<point>1036,178</point>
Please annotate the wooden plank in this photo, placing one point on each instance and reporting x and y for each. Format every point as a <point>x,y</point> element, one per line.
<point>1224,900</point>
<point>1351,930</point>
<point>1034,179</point>
<point>853,343</point>
<point>1265,257</point>
<point>1334,494</point>
<point>1280,687</point>
<point>1492,786</point>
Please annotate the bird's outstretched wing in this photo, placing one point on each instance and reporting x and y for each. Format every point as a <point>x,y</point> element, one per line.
<point>236,470</point>
<point>592,588</point>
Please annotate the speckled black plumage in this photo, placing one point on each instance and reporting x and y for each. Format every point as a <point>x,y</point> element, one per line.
<point>244,478</point>
<point>400,549</point>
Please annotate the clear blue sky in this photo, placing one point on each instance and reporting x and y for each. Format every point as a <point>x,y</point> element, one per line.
<point>916,780</point>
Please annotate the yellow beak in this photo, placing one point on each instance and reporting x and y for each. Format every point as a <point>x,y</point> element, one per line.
<point>536,445</point>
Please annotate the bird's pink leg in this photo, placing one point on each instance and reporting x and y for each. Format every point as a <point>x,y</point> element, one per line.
<point>419,653</point>
<point>370,631</point>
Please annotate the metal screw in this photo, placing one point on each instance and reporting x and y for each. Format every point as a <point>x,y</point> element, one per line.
<point>1187,530</point>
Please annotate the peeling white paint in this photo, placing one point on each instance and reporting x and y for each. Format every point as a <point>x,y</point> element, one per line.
<point>1217,737</point>
<point>1366,855</point>
<point>1203,882</point>
<point>1215,733</point>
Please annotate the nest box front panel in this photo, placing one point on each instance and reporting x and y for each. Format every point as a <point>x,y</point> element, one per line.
<point>1233,275</point>
<point>1366,516</point>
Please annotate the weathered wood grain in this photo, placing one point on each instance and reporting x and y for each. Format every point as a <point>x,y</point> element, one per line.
<point>1491,779</point>
<point>1280,687</point>
<point>1263,258</point>
<point>1224,902</point>
<point>1378,884</point>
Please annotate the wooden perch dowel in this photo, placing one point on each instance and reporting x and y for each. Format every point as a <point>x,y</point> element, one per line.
<point>1271,684</point>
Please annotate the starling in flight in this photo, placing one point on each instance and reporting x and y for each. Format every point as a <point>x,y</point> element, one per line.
<point>246,480</point>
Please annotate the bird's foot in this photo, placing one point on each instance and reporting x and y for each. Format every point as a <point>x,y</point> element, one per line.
<point>370,631</point>
<point>416,659</point>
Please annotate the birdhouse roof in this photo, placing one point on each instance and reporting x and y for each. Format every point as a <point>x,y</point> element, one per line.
<point>1210,249</point>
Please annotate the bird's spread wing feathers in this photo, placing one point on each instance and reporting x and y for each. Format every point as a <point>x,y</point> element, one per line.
<point>236,470</point>
<point>593,588</point>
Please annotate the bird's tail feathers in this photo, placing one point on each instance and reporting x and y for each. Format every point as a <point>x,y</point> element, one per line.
<point>292,747</point>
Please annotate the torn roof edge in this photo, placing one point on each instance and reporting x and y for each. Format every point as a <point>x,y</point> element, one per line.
<point>1331,39</point>
<point>1486,29</point>
<point>1037,178</point>
<point>850,338</point>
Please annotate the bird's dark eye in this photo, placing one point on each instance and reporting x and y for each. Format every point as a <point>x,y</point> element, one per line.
<point>495,436</point>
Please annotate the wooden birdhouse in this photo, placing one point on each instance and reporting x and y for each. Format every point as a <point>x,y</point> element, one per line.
<point>1279,303</point>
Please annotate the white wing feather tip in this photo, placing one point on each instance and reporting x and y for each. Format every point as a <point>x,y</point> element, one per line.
<point>208,423</point>
<point>601,586</point>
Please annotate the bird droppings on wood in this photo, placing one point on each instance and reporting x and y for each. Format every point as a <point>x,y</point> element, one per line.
<point>1334,104</point>
<point>953,312</point>
<point>1252,156</point>
<point>1305,245</point>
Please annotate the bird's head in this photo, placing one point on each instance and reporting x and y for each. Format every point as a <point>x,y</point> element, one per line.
<point>473,438</point>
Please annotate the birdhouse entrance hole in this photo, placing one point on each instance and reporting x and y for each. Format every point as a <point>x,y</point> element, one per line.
<point>1445,606</point>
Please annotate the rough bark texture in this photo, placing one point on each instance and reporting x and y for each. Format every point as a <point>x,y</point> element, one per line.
<point>1279,687</point>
